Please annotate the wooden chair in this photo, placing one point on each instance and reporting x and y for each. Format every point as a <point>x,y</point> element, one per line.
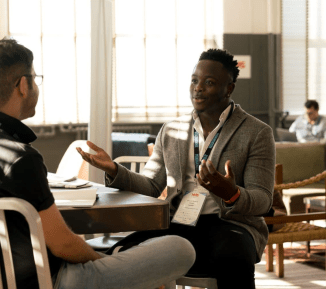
<point>296,229</point>
<point>37,238</point>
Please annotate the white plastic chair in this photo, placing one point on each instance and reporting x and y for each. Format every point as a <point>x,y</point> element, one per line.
<point>72,163</point>
<point>133,161</point>
<point>37,238</point>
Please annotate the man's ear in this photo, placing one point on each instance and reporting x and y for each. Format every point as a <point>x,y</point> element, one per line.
<point>231,87</point>
<point>23,86</point>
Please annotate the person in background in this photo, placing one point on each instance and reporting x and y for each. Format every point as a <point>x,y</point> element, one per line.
<point>73,263</point>
<point>218,165</point>
<point>310,127</point>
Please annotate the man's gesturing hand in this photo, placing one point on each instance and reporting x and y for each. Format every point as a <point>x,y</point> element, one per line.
<point>221,186</point>
<point>100,160</point>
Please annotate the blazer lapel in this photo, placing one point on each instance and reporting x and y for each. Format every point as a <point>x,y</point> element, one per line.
<point>184,136</point>
<point>238,116</point>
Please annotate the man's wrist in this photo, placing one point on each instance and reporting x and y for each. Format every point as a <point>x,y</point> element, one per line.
<point>112,173</point>
<point>233,198</point>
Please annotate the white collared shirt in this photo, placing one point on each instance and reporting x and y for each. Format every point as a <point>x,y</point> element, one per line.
<point>307,132</point>
<point>210,206</point>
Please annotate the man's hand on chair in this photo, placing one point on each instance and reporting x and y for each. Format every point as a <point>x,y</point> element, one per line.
<point>100,160</point>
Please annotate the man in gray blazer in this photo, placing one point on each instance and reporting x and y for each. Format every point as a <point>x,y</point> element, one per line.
<point>219,152</point>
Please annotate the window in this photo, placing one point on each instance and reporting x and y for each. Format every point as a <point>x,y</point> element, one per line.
<point>58,33</point>
<point>303,54</point>
<point>317,53</point>
<point>156,46</point>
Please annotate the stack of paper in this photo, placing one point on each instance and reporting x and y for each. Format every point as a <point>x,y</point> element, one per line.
<point>68,182</point>
<point>75,198</point>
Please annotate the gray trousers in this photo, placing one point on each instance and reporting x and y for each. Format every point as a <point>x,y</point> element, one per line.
<point>149,265</point>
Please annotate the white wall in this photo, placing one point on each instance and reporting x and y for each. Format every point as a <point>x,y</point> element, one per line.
<point>3,18</point>
<point>252,16</point>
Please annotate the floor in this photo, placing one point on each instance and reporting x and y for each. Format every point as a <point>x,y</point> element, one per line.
<point>297,276</point>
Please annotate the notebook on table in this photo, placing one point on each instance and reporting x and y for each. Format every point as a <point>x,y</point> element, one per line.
<point>74,198</point>
<point>68,182</point>
<point>71,191</point>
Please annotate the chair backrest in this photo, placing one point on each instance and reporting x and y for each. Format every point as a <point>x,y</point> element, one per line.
<point>37,238</point>
<point>72,163</point>
<point>279,175</point>
<point>133,161</point>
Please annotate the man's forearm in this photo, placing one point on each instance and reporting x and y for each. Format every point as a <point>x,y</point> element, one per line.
<point>76,250</point>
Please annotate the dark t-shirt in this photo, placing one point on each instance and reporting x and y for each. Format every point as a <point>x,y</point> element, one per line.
<point>23,175</point>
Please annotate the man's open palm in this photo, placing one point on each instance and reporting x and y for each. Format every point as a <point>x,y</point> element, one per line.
<point>99,160</point>
<point>222,186</point>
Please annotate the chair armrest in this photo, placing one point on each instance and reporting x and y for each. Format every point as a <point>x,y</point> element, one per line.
<point>294,218</point>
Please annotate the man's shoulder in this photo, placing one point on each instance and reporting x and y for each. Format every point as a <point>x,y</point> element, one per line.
<point>249,119</point>
<point>180,121</point>
<point>183,118</point>
<point>300,118</point>
<point>322,119</point>
<point>14,150</point>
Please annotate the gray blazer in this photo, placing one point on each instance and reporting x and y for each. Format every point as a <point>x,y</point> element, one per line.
<point>245,140</point>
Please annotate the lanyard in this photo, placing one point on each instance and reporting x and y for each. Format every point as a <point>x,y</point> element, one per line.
<point>211,145</point>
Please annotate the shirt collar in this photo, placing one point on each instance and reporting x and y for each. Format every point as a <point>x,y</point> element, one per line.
<point>305,119</point>
<point>16,129</point>
<point>222,118</point>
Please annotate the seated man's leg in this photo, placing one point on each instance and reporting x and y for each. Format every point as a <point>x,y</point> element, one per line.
<point>150,264</point>
<point>224,251</point>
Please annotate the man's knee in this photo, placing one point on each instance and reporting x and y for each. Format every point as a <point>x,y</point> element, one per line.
<point>183,248</point>
<point>236,244</point>
<point>180,251</point>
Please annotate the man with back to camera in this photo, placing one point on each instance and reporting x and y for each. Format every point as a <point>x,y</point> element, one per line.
<point>310,127</point>
<point>73,263</point>
<point>218,155</point>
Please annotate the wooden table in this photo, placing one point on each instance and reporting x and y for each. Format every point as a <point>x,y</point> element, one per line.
<point>118,211</point>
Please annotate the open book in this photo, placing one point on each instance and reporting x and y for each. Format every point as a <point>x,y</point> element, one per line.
<point>68,182</point>
<point>75,198</point>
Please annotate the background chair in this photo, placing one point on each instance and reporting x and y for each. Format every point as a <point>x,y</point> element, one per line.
<point>137,163</point>
<point>37,238</point>
<point>72,163</point>
<point>296,229</point>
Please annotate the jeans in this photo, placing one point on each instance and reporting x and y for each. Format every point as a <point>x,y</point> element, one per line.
<point>152,263</point>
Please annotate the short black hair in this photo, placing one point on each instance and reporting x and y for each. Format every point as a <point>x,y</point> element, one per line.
<point>223,57</point>
<point>15,60</point>
<point>312,103</point>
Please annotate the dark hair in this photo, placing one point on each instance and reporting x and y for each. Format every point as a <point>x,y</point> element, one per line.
<point>312,103</point>
<point>15,60</point>
<point>223,57</point>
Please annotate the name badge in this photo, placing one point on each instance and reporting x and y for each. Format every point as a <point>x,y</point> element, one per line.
<point>190,207</point>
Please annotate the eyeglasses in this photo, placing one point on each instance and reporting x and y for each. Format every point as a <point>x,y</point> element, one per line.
<point>37,78</point>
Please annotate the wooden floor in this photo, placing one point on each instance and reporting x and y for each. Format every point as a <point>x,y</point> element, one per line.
<point>296,276</point>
